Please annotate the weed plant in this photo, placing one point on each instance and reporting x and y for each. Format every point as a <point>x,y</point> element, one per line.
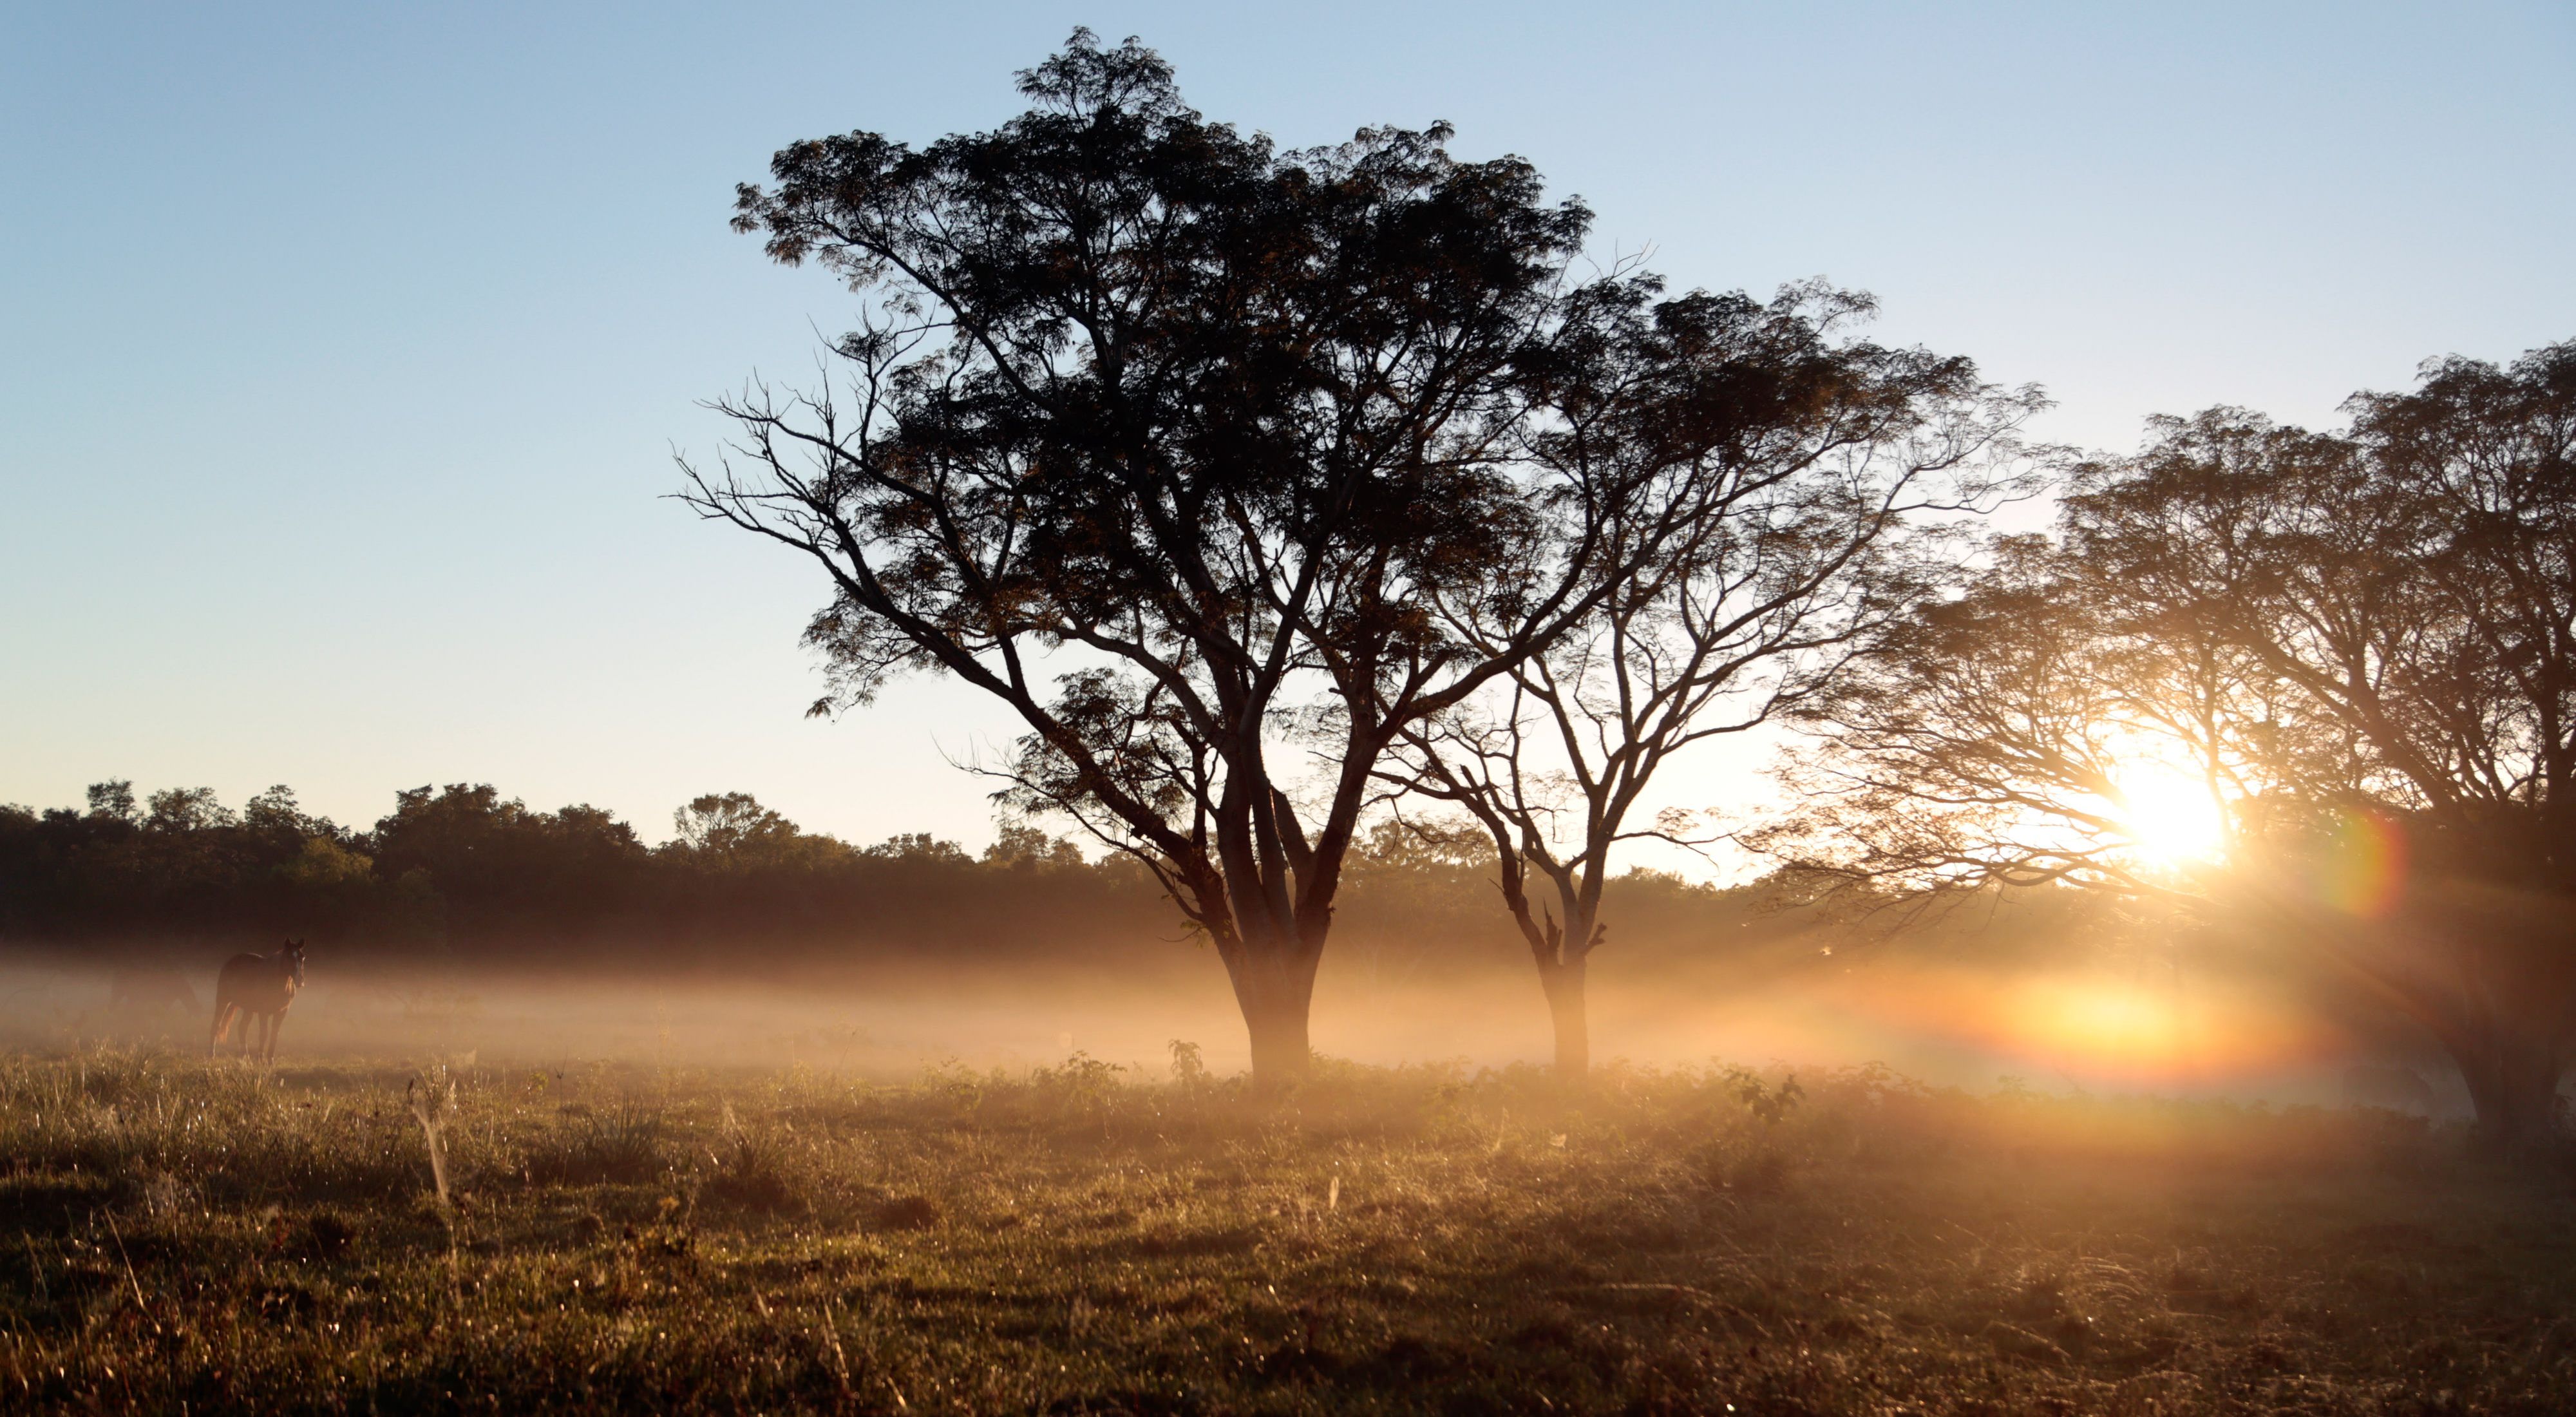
<point>1080,1239</point>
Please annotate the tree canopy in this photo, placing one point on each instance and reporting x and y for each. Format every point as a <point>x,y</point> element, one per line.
<point>2351,650</point>
<point>1181,444</point>
<point>1820,462</point>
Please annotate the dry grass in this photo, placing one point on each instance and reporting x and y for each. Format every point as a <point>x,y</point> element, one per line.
<point>1078,1239</point>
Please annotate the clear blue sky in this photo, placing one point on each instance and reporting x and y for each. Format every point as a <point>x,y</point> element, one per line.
<point>343,348</point>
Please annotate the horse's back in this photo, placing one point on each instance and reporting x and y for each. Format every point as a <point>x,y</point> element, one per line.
<point>246,980</point>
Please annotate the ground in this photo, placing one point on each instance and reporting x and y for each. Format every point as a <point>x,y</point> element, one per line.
<point>218,1238</point>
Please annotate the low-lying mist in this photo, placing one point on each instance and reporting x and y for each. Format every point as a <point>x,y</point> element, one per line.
<point>1981,1026</point>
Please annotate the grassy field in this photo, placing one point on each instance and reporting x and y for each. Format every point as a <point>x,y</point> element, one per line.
<point>211,1238</point>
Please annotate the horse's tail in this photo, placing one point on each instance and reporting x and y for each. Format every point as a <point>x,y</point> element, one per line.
<point>225,1013</point>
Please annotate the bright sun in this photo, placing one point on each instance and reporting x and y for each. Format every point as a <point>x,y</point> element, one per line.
<point>2172,817</point>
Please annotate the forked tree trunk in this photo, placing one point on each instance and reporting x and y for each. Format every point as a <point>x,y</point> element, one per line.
<point>1560,951</point>
<point>1563,953</point>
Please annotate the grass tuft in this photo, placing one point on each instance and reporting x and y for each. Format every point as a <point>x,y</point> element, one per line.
<point>620,1145</point>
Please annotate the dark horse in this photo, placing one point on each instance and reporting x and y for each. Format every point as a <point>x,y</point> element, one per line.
<point>257,984</point>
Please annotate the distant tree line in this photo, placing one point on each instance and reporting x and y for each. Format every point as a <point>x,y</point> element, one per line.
<point>466,874</point>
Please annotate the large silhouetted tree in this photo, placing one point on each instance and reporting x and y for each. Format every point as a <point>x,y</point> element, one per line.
<point>1816,456</point>
<point>1179,444</point>
<point>2359,649</point>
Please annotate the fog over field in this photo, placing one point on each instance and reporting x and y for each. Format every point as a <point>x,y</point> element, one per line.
<point>2102,1030</point>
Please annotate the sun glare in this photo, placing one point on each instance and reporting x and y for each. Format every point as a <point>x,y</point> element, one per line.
<point>2172,817</point>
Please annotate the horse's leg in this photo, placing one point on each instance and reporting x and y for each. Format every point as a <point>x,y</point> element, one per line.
<point>268,1052</point>
<point>223,1021</point>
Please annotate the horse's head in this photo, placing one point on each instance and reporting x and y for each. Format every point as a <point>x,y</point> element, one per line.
<point>293,955</point>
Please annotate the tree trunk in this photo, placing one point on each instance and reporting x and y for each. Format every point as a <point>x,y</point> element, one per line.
<point>1563,984</point>
<point>2513,1083</point>
<point>1280,1052</point>
<point>1276,991</point>
<point>2509,1031</point>
<point>2493,992</point>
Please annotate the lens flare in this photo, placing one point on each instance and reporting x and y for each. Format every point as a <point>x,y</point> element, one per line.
<point>2363,869</point>
<point>2107,1029</point>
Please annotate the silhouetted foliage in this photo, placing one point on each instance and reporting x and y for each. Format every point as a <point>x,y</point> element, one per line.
<point>181,866</point>
<point>1187,448</point>
<point>464,875</point>
<point>494,861</point>
<point>1818,459</point>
